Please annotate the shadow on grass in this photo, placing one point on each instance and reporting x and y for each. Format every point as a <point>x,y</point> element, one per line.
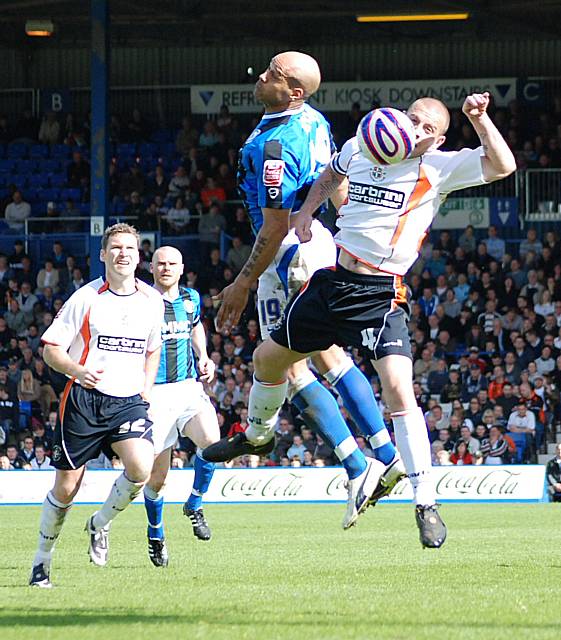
<point>68,617</point>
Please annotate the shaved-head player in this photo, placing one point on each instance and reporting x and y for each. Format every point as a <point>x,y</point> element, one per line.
<point>178,404</point>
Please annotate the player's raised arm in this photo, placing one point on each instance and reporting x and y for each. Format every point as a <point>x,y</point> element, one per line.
<point>498,161</point>
<point>324,187</point>
<point>267,243</point>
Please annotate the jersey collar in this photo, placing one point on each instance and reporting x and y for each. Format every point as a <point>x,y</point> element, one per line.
<point>280,114</point>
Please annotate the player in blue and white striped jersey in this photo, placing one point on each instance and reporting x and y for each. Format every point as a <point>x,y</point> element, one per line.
<point>278,162</point>
<point>178,403</point>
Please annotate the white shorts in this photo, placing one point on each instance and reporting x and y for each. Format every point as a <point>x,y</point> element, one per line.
<point>172,405</point>
<point>291,268</point>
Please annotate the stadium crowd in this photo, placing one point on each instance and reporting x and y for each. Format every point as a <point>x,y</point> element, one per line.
<point>485,316</point>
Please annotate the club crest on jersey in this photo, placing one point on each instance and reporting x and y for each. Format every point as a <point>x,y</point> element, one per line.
<point>273,171</point>
<point>189,306</point>
<point>253,135</point>
<point>377,174</point>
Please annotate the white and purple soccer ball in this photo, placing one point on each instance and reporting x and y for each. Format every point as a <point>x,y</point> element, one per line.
<point>386,136</point>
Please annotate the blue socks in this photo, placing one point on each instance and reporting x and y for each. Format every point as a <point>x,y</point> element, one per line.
<point>320,411</point>
<point>203,475</point>
<point>154,504</point>
<point>359,400</point>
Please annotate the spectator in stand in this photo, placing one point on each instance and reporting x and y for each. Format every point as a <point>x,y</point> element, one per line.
<point>461,455</point>
<point>132,181</point>
<point>15,318</point>
<point>496,246</point>
<point>212,194</point>
<point>179,183</point>
<point>237,254</point>
<point>5,463</point>
<point>210,226</point>
<point>178,217</point>
<point>467,241</point>
<point>48,276</point>
<point>187,137</point>
<point>297,448</point>
<point>428,302</point>
<point>12,453</point>
<point>138,128</point>
<point>495,448</point>
<point>530,244</point>
<point>209,136</point>
<point>76,282</point>
<point>134,208</point>
<point>158,184</point>
<point>523,421</point>
<point>27,301</point>
<point>17,212</point>
<point>553,475</point>
<point>41,461</point>
<point>49,131</point>
<point>78,171</point>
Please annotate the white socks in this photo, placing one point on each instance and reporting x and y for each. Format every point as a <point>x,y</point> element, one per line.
<point>265,401</point>
<point>413,444</point>
<point>122,493</point>
<point>50,525</point>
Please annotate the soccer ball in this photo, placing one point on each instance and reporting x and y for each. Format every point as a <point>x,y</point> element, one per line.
<point>386,136</point>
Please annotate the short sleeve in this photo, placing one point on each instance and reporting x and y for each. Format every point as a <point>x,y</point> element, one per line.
<point>155,336</point>
<point>68,322</point>
<point>277,184</point>
<point>197,311</point>
<point>341,161</point>
<point>463,169</point>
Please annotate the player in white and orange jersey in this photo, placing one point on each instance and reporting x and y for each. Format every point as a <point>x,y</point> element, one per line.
<point>362,302</point>
<point>106,339</point>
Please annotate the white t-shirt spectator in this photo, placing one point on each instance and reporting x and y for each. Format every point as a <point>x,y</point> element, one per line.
<point>17,214</point>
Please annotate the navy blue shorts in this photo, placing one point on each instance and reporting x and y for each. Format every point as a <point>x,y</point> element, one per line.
<point>89,422</point>
<point>338,306</point>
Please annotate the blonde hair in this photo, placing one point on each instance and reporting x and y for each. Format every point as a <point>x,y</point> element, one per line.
<point>120,227</point>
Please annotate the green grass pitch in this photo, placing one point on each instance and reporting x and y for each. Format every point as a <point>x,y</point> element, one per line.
<point>290,571</point>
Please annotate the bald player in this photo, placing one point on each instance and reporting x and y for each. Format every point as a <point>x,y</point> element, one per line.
<point>279,162</point>
<point>363,302</point>
<point>178,404</point>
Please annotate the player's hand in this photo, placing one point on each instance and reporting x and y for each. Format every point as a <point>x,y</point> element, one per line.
<point>89,378</point>
<point>476,104</point>
<point>302,224</point>
<point>206,369</point>
<point>233,300</point>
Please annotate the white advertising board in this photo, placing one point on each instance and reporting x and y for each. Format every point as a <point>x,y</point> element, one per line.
<point>339,96</point>
<point>469,483</point>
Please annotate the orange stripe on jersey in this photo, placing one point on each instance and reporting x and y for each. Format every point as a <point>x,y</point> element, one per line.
<point>400,296</point>
<point>104,287</point>
<point>64,398</point>
<point>86,336</point>
<point>421,187</point>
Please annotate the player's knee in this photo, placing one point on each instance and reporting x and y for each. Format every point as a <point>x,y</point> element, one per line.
<point>65,491</point>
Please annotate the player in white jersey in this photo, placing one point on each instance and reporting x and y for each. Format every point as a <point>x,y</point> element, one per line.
<point>363,302</point>
<point>178,403</point>
<point>278,163</point>
<point>106,339</point>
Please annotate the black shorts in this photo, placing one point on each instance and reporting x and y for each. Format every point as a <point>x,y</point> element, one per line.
<point>89,422</point>
<point>340,307</point>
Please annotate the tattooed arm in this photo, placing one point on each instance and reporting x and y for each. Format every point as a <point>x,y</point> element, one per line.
<point>498,161</point>
<point>326,186</point>
<point>269,239</point>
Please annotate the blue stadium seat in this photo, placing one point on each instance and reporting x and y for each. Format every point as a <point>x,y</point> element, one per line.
<point>26,166</point>
<point>40,180</point>
<point>60,151</point>
<point>7,165</point>
<point>33,194</point>
<point>58,180</point>
<point>50,165</point>
<point>167,149</point>
<point>520,440</point>
<point>38,151</point>
<point>126,150</point>
<point>19,179</point>
<point>51,195</point>
<point>84,208</point>
<point>147,149</point>
<point>17,150</point>
<point>70,194</point>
